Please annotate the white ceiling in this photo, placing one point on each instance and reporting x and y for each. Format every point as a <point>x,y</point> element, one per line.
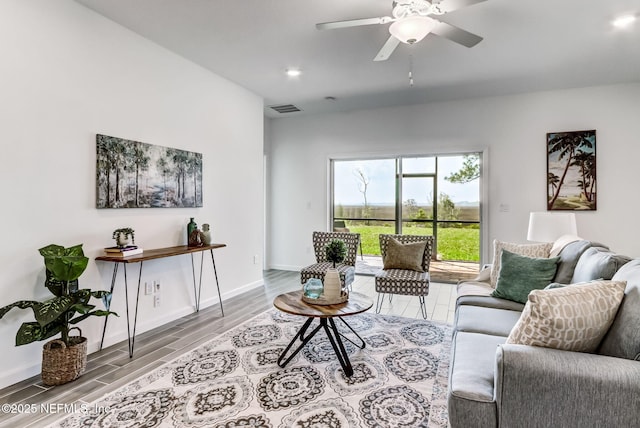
<point>529,45</point>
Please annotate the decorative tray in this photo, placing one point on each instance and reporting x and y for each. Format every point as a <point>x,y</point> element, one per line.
<point>324,301</point>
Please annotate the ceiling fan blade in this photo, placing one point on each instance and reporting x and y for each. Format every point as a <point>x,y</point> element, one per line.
<point>353,23</point>
<point>388,48</point>
<point>450,5</point>
<point>456,34</point>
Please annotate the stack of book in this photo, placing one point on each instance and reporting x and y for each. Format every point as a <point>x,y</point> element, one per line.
<point>129,250</point>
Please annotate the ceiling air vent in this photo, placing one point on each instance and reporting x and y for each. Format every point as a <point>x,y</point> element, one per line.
<point>285,108</point>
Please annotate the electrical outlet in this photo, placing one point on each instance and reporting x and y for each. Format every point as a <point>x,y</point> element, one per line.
<point>156,301</point>
<point>156,287</point>
<point>148,288</point>
<point>255,259</point>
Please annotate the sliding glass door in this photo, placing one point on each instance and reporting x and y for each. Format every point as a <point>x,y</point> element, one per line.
<point>429,195</point>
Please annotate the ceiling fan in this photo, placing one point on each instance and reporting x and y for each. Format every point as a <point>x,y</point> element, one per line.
<point>412,20</point>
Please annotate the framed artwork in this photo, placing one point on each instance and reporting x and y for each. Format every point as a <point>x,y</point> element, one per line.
<point>131,174</point>
<point>571,171</point>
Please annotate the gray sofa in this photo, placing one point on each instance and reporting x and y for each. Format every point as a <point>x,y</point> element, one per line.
<point>494,384</point>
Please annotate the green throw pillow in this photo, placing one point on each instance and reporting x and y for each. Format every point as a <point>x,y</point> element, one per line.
<point>519,275</point>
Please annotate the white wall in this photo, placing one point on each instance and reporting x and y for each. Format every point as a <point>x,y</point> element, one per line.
<point>68,74</point>
<point>512,132</point>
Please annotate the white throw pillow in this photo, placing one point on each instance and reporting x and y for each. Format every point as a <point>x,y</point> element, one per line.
<point>537,251</point>
<point>572,318</point>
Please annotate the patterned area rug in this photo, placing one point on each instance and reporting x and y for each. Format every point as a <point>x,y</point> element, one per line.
<point>400,380</point>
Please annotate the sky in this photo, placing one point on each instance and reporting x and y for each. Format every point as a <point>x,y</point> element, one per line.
<point>381,188</point>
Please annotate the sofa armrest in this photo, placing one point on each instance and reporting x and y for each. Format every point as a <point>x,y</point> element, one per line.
<point>547,387</point>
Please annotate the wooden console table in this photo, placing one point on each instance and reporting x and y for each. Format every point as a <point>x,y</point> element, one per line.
<point>158,253</point>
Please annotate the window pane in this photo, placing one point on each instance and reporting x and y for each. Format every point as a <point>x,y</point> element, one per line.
<point>364,189</point>
<point>459,191</point>
<point>417,195</point>
<point>419,165</point>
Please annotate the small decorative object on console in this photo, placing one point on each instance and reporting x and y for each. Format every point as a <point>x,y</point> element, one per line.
<point>122,236</point>
<point>206,234</point>
<point>191,226</point>
<point>195,238</point>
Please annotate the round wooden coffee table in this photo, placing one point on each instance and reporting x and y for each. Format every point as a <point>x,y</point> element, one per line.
<point>292,303</point>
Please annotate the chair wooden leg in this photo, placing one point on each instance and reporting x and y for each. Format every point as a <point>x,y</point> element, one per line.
<point>423,307</point>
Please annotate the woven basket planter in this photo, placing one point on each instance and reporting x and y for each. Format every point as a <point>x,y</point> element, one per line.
<point>62,363</point>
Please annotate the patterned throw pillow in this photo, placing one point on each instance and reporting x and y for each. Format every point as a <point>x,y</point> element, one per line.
<point>572,318</point>
<point>528,250</point>
<point>404,256</point>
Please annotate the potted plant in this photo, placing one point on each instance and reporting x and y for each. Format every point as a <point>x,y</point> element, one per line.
<point>64,359</point>
<point>335,251</point>
<point>122,236</point>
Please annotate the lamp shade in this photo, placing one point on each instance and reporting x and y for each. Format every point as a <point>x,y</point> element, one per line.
<point>547,227</point>
<point>412,29</point>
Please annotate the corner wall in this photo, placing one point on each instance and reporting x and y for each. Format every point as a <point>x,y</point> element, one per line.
<point>69,74</point>
<point>511,130</point>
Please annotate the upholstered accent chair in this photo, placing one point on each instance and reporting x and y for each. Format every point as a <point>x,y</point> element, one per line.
<point>405,280</point>
<point>347,268</point>
<point>341,226</point>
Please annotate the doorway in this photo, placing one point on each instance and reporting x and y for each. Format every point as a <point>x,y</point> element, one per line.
<point>421,195</point>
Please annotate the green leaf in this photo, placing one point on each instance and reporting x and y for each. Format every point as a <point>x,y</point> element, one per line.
<point>98,313</point>
<point>22,304</point>
<point>56,286</point>
<point>66,268</point>
<point>65,264</point>
<point>32,332</point>
<point>82,308</point>
<point>52,309</point>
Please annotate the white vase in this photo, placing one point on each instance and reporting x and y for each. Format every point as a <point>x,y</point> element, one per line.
<point>332,285</point>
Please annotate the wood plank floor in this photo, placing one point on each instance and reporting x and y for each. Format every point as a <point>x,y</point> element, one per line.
<point>111,368</point>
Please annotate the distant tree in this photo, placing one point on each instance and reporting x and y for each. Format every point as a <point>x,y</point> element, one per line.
<point>446,208</point>
<point>363,184</point>
<point>469,171</point>
<point>411,207</point>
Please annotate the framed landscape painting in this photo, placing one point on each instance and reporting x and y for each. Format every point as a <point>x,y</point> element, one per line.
<point>130,174</point>
<point>571,170</point>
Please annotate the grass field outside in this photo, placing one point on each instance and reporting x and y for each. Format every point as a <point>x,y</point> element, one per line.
<point>460,244</point>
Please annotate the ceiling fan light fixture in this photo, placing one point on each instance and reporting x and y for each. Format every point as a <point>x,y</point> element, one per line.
<point>412,29</point>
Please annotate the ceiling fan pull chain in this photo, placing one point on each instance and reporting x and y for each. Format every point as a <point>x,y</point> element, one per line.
<point>411,70</point>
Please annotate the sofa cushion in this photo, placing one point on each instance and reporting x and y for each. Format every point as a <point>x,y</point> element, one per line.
<point>569,257</point>
<point>573,318</point>
<point>597,263</point>
<point>470,399</point>
<point>473,363</point>
<point>404,256</point>
<point>623,338</point>
<point>520,274</point>
<point>476,319</point>
<point>489,302</point>
<point>473,288</point>
<point>529,250</point>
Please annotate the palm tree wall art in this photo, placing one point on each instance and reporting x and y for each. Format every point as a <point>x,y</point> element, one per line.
<point>131,174</point>
<point>571,170</point>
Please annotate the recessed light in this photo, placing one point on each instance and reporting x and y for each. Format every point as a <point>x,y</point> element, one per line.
<point>293,72</point>
<point>624,21</point>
